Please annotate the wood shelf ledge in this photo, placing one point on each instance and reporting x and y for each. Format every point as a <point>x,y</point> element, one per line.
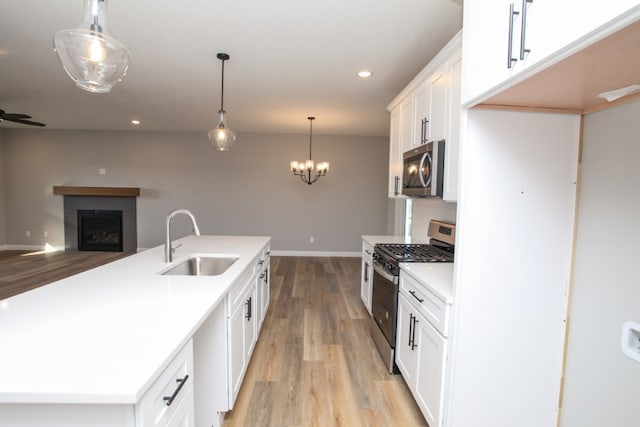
<point>96,191</point>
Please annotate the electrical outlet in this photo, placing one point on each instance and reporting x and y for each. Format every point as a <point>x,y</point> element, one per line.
<point>312,239</point>
<point>102,171</point>
<point>46,233</point>
<point>27,233</point>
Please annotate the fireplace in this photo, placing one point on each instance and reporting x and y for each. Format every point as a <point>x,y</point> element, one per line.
<point>100,230</point>
<point>99,218</point>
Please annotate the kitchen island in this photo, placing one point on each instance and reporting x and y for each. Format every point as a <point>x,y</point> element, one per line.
<point>86,349</point>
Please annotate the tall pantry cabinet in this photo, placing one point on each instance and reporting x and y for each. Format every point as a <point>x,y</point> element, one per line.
<point>516,215</point>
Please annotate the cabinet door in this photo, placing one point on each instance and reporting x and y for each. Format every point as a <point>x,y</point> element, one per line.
<point>452,137</point>
<point>184,413</point>
<point>421,115</point>
<point>406,125</point>
<point>365,282</point>
<point>250,324</point>
<point>236,352</point>
<point>265,292</point>
<point>484,44</point>
<point>430,367</point>
<point>438,108</point>
<point>395,154</point>
<point>406,354</point>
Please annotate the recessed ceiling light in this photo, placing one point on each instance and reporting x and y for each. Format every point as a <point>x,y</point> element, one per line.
<point>364,74</point>
<point>135,122</point>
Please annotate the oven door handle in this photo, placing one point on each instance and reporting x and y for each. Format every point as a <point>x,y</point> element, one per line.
<point>378,269</point>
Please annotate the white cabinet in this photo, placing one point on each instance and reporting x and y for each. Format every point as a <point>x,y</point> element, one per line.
<point>534,33</point>
<point>366,275</point>
<point>421,349</point>
<point>453,130</point>
<point>430,103</point>
<point>225,342</point>
<point>510,294</point>
<point>242,337</point>
<point>428,109</point>
<point>262,287</point>
<point>170,401</point>
<point>400,137</point>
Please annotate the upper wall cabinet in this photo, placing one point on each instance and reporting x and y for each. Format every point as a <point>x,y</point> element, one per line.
<point>505,38</point>
<point>428,109</point>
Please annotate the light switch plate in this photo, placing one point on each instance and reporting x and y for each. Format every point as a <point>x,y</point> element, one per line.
<point>631,340</point>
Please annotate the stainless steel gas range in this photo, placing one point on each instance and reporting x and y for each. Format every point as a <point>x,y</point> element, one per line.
<point>386,272</point>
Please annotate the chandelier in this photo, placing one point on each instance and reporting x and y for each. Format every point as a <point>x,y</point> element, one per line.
<point>91,57</point>
<point>222,136</point>
<point>304,168</point>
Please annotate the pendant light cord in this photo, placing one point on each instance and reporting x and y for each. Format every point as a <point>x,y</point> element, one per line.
<point>310,135</point>
<point>222,89</point>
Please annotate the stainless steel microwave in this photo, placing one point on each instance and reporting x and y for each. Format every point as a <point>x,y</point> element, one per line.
<point>423,170</point>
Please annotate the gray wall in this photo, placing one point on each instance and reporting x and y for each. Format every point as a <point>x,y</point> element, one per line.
<point>3,236</point>
<point>246,191</point>
<point>601,382</point>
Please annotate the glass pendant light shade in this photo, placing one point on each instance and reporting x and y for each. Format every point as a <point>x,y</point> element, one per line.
<point>221,136</point>
<point>91,57</point>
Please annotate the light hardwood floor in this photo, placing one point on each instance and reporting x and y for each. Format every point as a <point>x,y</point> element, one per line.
<point>315,363</point>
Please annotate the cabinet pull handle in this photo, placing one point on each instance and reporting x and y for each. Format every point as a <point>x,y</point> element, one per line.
<point>510,58</point>
<point>413,338</point>
<point>366,272</point>
<point>266,275</point>
<point>248,316</point>
<point>397,183</point>
<point>261,262</point>
<point>181,381</point>
<point>523,29</point>
<point>411,330</point>
<point>413,294</point>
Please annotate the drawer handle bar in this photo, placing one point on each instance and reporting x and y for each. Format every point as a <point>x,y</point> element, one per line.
<point>510,58</point>
<point>169,399</point>
<point>413,294</point>
<point>523,29</point>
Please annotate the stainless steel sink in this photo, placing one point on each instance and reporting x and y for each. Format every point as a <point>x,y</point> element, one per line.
<point>201,266</point>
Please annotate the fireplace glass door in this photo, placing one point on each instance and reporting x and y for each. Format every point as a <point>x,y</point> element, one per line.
<point>100,230</point>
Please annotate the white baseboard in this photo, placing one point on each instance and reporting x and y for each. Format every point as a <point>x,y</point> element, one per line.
<point>32,248</point>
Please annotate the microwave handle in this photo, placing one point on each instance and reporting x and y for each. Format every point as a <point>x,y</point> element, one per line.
<point>425,156</point>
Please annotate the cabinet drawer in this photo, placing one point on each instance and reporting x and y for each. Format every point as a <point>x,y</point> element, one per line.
<point>427,302</point>
<point>165,395</point>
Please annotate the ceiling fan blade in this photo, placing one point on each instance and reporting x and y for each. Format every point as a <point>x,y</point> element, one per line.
<point>12,116</point>
<point>24,122</point>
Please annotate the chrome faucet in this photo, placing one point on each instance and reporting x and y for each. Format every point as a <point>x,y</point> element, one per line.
<point>168,250</point>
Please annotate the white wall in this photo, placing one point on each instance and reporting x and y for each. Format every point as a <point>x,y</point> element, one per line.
<point>602,385</point>
<point>248,190</point>
<point>424,210</point>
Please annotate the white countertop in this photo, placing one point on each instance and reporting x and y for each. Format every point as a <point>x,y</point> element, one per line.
<point>437,276</point>
<point>103,336</point>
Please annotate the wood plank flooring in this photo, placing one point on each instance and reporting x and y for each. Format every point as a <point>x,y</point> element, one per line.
<point>21,271</point>
<point>315,363</point>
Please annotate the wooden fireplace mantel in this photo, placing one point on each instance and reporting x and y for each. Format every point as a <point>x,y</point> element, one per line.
<point>96,191</point>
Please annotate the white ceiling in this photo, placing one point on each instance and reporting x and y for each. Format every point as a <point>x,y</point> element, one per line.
<point>289,59</point>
